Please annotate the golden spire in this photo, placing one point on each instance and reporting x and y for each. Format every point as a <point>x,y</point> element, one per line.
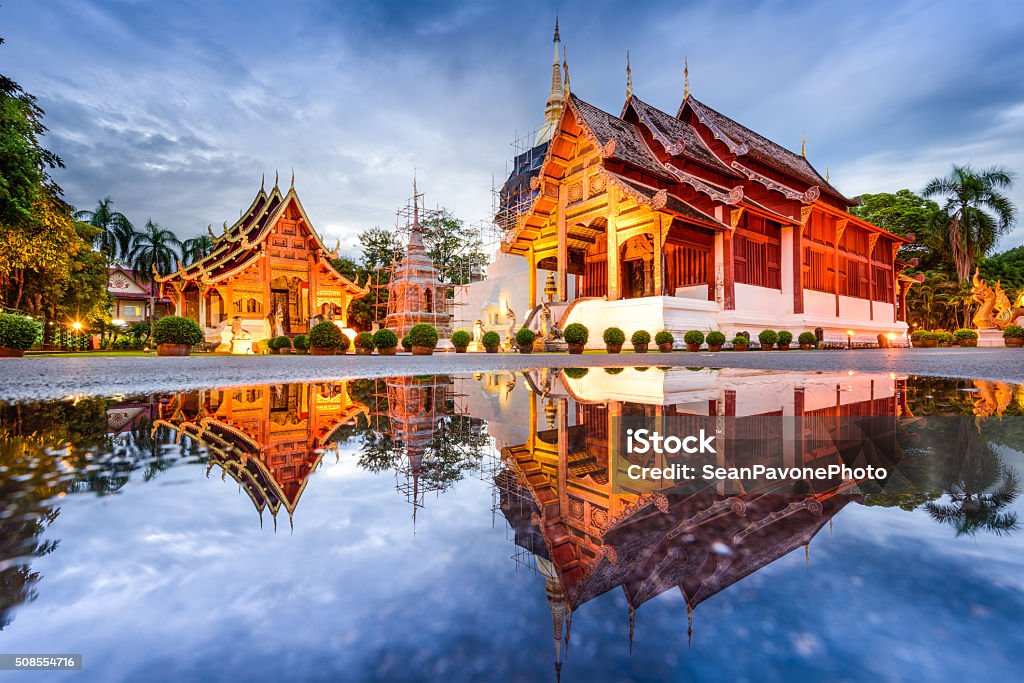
<point>556,97</point>
<point>803,146</point>
<point>629,78</point>
<point>826,180</point>
<point>686,78</point>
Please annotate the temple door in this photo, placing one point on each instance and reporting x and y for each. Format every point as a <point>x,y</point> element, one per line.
<point>637,259</point>
<point>279,301</point>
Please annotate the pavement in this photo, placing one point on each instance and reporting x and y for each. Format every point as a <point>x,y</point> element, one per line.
<point>50,377</point>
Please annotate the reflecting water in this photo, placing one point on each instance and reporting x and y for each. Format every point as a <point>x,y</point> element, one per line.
<point>482,528</point>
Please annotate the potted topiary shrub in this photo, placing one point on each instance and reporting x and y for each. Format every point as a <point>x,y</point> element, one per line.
<point>277,345</point>
<point>525,338</point>
<point>614,338</point>
<point>784,339</point>
<point>18,334</point>
<point>1013,335</point>
<point>175,336</point>
<point>917,338</point>
<point>664,340</point>
<point>715,340</point>
<point>640,340</point>
<point>931,339</point>
<point>301,344</point>
<point>325,339</point>
<point>385,341</point>
<point>693,340</point>
<point>576,336</point>
<point>460,340</point>
<point>406,343</point>
<point>768,339</point>
<point>965,337</point>
<point>363,343</point>
<point>807,341</point>
<point>740,343</point>
<point>945,338</point>
<point>423,338</point>
<point>491,342</point>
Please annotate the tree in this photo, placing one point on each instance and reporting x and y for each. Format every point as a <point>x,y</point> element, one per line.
<point>361,311</point>
<point>455,248</point>
<point>975,213</point>
<point>115,230</point>
<point>154,251</point>
<point>903,213</point>
<point>196,248</point>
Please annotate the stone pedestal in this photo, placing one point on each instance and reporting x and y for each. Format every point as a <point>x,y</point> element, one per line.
<point>990,338</point>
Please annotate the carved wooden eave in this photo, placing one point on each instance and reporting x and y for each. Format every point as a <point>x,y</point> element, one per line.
<point>736,148</point>
<point>840,229</point>
<point>806,197</point>
<point>730,197</point>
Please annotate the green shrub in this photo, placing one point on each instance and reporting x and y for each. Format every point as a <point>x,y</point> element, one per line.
<point>784,338</point>
<point>301,342</point>
<point>694,337</point>
<point>918,335</point>
<point>716,338</point>
<point>491,340</point>
<point>664,337</point>
<point>385,339</point>
<point>640,337</point>
<point>768,337</point>
<point>525,337</point>
<point>944,337</point>
<point>406,342</point>
<point>740,341</point>
<point>363,340</point>
<point>174,329</point>
<point>461,338</point>
<point>807,338</point>
<point>279,343</point>
<point>327,335</point>
<point>423,334</point>
<point>1013,331</point>
<point>613,336</point>
<point>613,371</point>
<point>964,333</point>
<point>575,373</point>
<point>576,333</point>
<point>19,331</point>
<point>932,336</point>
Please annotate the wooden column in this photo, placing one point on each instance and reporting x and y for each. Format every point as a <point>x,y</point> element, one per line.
<point>798,261</point>
<point>531,258</point>
<point>562,281</point>
<point>563,457</point>
<point>840,228</point>
<point>659,255</point>
<point>728,275</point>
<point>613,244</point>
<point>203,306</point>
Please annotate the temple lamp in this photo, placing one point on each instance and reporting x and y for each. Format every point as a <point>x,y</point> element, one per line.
<point>77,327</point>
<point>849,339</point>
<point>891,337</point>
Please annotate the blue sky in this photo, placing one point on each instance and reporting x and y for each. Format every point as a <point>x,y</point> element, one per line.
<point>177,109</point>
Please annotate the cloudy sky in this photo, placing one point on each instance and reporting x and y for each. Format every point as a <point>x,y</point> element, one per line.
<point>176,109</point>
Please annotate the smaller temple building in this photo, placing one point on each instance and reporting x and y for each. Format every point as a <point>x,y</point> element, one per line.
<point>131,296</point>
<point>267,275</point>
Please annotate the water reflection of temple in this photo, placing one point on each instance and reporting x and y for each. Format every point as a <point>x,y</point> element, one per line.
<point>268,438</point>
<point>589,530</point>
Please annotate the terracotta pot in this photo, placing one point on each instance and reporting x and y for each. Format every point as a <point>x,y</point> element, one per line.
<point>665,348</point>
<point>613,348</point>
<point>387,352</point>
<point>7,352</point>
<point>968,343</point>
<point>1013,341</point>
<point>806,347</point>
<point>640,348</point>
<point>782,347</point>
<point>929,343</point>
<point>173,349</point>
<point>575,348</point>
<point>422,350</point>
<point>767,347</point>
<point>693,347</point>
<point>740,347</point>
<point>460,349</point>
<point>715,349</point>
<point>491,349</point>
<point>917,343</point>
<point>526,348</point>
<point>322,350</point>
<point>364,352</point>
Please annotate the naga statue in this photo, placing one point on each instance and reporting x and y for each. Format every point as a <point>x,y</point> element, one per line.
<point>995,311</point>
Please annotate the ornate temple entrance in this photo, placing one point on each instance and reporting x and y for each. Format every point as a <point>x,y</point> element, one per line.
<point>637,256</point>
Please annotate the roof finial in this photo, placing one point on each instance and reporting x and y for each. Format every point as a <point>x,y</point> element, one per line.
<point>826,180</point>
<point>275,177</point>
<point>263,181</point>
<point>565,69</point>
<point>415,206</point>
<point>293,178</point>
<point>629,78</point>
<point>557,38</point>
<point>803,145</point>
<point>686,77</point>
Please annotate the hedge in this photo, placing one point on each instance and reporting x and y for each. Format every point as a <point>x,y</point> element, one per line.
<point>19,331</point>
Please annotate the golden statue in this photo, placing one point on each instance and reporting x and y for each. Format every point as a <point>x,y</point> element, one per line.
<point>996,311</point>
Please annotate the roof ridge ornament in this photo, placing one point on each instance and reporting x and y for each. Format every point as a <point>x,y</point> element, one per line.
<point>803,145</point>
<point>292,187</point>
<point>263,180</point>
<point>629,79</point>
<point>686,78</point>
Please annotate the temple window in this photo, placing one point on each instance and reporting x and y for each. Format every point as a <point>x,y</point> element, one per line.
<point>756,252</point>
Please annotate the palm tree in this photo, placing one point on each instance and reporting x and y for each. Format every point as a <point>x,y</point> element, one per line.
<point>196,248</point>
<point>154,251</point>
<point>116,231</point>
<point>976,213</point>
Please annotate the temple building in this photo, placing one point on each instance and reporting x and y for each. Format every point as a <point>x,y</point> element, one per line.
<point>131,296</point>
<point>693,221</point>
<point>269,274</point>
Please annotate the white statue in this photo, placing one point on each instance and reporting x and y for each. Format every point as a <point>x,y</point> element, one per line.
<point>478,332</point>
<point>511,341</point>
